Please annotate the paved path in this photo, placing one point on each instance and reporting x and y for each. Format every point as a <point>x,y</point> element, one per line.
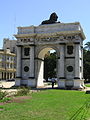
<point>5,84</point>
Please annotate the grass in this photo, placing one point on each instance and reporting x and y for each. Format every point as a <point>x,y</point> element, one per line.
<point>49,105</point>
<point>87,85</point>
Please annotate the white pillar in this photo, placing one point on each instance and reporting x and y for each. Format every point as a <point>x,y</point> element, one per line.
<point>82,83</point>
<point>61,69</point>
<point>40,73</point>
<point>18,69</point>
<point>77,61</point>
<point>77,80</point>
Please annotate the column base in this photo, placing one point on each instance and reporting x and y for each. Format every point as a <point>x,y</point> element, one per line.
<point>18,81</point>
<point>61,84</point>
<point>82,83</point>
<point>31,82</point>
<point>77,84</point>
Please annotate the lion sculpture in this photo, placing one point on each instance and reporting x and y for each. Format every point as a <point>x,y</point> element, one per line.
<point>53,18</point>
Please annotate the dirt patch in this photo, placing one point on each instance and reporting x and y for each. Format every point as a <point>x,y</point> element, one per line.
<point>2,103</point>
<point>16,100</point>
<point>1,109</point>
<point>20,99</point>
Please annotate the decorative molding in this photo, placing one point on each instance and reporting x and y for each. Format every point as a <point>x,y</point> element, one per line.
<point>62,78</point>
<point>31,77</point>
<point>25,58</point>
<point>39,59</point>
<point>69,57</point>
<point>76,77</point>
<point>18,77</point>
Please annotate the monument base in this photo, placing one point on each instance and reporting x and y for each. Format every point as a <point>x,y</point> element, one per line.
<point>18,81</point>
<point>78,84</point>
<point>61,84</point>
<point>31,82</point>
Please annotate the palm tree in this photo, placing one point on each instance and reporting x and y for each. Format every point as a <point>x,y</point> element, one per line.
<point>87,46</point>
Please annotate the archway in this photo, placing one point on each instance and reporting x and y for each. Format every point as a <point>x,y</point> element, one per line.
<point>65,38</point>
<point>41,56</point>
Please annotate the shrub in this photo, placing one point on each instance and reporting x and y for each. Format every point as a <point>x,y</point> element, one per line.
<point>2,95</point>
<point>22,91</point>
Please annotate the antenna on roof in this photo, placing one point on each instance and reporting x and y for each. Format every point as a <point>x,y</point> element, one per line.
<point>14,24</point>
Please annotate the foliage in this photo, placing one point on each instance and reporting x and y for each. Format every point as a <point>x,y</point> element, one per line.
<point>86,64</point>
<point>87,46</point>
<point>22,91</point>
<point>46,105</point>
<point>5,99</point>
<point>2,94</point>
<point>50,66</point>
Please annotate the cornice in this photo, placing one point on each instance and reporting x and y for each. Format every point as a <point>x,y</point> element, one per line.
<point>43,35</point>
<point>47,25</point>
<point>25,35</point>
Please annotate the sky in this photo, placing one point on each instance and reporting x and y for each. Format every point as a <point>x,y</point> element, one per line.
<point>15,13</point>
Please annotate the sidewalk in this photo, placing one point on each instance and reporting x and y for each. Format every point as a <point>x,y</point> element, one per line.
<point>7,85</point>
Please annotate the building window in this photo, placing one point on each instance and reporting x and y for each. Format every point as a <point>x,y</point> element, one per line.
<point>13,49</point>
<point>70,49</point>
<point>7,57</point>
<point>26,68</point>
<point>26,51</point>
<point>69,68</point>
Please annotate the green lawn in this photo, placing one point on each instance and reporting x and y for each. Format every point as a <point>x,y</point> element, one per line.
<point>87,85</point>
<point>49,105</point>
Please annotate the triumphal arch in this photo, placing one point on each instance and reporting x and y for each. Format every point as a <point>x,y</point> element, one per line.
<point>33,42</point>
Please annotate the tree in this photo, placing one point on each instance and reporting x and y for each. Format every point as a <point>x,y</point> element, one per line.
<point>87,46</point>
<point>50,65</point>
<point>86,64</point>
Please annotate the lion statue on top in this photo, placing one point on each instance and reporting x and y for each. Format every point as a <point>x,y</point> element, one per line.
<point>53,18</point>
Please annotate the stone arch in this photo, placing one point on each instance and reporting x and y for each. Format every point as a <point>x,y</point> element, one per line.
<point>46,48</point>
<point>65,38</point>
<point>40,64</point>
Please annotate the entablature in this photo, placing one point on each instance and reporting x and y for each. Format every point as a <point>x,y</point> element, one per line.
<point>51,29</point>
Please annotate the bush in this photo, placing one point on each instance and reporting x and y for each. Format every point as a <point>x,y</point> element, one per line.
<point>2,95</point>
<point>22,91</point>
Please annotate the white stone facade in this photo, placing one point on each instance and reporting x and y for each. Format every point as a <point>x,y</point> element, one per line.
<point>34,42</point>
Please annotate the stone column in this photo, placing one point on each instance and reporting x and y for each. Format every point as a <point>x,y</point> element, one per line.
<point>82,82</point>
<point>32,61</point>
<point>77,61</point>
<point>18,69</point>
<point>77,80</point>
<point>40,72</point>
<point>31,81</point>
<point>61,69</point>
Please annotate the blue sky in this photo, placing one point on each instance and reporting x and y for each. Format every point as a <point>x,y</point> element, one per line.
<point>14,13</point>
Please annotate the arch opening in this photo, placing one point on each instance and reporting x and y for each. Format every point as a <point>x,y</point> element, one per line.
<point>47,65</point>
